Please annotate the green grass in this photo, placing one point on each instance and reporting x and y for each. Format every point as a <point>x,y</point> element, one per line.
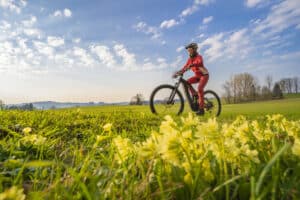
<point>293,95</point>
<point>289,107</point>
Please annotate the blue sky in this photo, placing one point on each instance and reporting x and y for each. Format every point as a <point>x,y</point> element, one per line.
<point>110,50</point>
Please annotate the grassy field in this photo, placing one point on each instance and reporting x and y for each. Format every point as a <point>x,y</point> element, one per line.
<point>289,107</point>
<point>126,152</point>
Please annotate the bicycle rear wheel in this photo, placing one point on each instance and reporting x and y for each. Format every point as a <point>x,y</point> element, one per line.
<point>166,100</point>
<point>212,103</point>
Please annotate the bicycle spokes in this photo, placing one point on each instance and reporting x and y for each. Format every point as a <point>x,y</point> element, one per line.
<point>212,104</point>
<point>166,100</point>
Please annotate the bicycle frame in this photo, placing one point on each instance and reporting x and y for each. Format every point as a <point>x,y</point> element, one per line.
<point>186,87</point>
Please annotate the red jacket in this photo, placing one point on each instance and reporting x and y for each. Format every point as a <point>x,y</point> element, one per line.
<point>196,64</point>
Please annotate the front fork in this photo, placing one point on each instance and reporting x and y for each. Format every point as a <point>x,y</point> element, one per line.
<point>171,98</point>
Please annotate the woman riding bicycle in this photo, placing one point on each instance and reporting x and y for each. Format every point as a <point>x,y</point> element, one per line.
<point>195,62</point>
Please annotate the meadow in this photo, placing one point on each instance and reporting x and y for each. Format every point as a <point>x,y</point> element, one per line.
<point>252,151</point>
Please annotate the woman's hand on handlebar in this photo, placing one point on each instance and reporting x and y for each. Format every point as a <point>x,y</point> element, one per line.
<point>176,74</point>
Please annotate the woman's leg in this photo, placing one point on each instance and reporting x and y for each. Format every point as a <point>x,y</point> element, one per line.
<point>202,83</point>
<point>192,80</point>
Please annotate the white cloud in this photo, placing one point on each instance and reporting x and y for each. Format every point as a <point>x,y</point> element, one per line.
<point>284,15</point>
<point>76,40</point>
<point>202,35</point>
<point>57,13</point>
<point>215,47</point>
<point>32,32</point>
<point>67,12</point>
<point>128,59</point>
<point>207,20</point>
<point>161,60</point>
<point>65,59</point>
<point>4,25</point>
<point>179,49</point>
<point>44,49</point>
<point>238,44</point>
<point>189,11</point>
<point>55,41</point>
<point>261,35</point>
<point>84,57</point>
<point>6,52</point>
<point>253,3</point>
<point>149,30</point>
<point>156,33</point>
<point>16,56</point>
<point>30,22</point>
<point>12,5</point>
<point>228,46</point>
<point>104,54</point>
<point>169,23</point>
<point>203,2</point>
<point>177,63</point>
<point>63,13</point>
<point>192,9</point>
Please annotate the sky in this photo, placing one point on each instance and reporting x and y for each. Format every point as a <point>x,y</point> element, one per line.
<point>108,51</point>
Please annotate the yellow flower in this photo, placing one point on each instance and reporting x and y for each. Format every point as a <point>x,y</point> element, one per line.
<point>107,127</point>
<point>148,149</point>
<point>124,148</point>
<point>27,130</point>
<point>13,193</point>
<point>256,131</point>
<point>186,166</point>
<point>34,139</point>
<point>296,147</point>
<point>208,129</point>
<point>101,138</point>
<point>187,134</point>
<point>190,120</point>
<point>168,126</point>
<point>188,178</point>
<point>170,149</point>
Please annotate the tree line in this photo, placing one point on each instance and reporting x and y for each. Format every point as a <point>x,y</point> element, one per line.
<point>245,87</point>
<point>27,106</point>
<point>138,99</point>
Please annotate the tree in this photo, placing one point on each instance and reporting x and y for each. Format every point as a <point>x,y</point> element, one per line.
<point>269,82</point>
<point>228,92</point>
<point>241,87</point>
<point>28,106</point>
<point>277,92</point>
<point>295,83</point>
<point>138,99</point>
<point>266,93</point>
<point>2,105</point>
<point>287,85</point>
<point>282,85</point>
<point>253,93</point>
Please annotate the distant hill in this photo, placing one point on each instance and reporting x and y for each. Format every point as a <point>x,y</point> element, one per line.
<point>46,105</point>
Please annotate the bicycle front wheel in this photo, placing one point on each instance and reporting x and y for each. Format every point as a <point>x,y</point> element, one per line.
<point>212,103</point>
<point>166,100</point>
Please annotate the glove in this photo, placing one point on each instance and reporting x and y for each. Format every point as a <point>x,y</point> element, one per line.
<point>177,74</point>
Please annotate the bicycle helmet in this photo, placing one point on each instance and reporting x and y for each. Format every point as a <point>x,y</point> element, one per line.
<point>192,45</point>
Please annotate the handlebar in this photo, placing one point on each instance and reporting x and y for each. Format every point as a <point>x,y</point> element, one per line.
<point>177,75</point>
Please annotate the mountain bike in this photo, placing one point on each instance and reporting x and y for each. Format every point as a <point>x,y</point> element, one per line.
<point>167,99</point>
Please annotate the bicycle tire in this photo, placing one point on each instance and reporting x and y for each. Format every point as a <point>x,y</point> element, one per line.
<point>157,89</point>
<point>217,99</point>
